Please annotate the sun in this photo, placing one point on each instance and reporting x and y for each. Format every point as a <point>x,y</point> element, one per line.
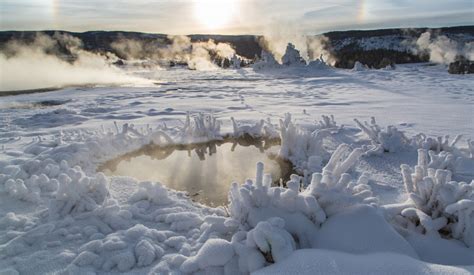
<point>214,14</point>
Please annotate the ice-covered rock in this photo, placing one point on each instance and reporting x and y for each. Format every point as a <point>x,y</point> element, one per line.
<point>318,64</point>
<point>267,61</point>
<point>358,67</point>
<point>235,61</point>
<point>292,57</point>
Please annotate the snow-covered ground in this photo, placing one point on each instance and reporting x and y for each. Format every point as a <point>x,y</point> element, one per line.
<point>357,212</point>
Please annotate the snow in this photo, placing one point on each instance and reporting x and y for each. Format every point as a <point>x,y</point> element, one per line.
<point>350,209</point>
<point>318,261</point>
<point>348,232</point>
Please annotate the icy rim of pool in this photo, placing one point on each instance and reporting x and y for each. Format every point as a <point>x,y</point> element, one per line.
<point>261,225</point>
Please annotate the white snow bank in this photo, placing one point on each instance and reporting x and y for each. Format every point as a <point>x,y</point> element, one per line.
<point>440,251</point>
<point>361,230</point>
<point>318,261</point>
<point>215,252</point>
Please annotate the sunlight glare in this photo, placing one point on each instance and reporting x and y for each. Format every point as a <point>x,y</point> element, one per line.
<point>214,14</point>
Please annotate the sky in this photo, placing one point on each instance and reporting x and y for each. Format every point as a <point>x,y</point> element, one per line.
<point>231,16</point>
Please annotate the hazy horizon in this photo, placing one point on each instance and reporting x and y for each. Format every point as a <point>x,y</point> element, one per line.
<point>229,17</point>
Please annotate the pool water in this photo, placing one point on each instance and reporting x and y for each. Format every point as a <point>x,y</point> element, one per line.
<point>205,171</point>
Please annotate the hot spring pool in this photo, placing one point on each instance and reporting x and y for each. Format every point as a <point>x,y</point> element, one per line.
<point>205,171</point>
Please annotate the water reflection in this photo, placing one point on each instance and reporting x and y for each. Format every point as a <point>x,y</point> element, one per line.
<point>205,171</point>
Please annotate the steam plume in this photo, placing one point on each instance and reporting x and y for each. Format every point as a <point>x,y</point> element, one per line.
<point>44,64</point>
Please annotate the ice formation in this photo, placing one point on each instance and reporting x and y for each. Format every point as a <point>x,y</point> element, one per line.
<point>250,130</point>
<point>438,205</point>
<point>334,188</point>
<point>358,67</point>
<point>328,193</point>
<point>303,148</point>
<point>235,61</point>
<point>318,64</point>
<point>388,140</point>
<point>443,160</point>
<point>202,126</point>
<point>292,57</point>
<point>77,193</point>
<point>439,144</point>
<point>267,61</point>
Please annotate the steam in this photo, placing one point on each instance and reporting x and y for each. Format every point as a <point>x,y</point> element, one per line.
<point>442,49</point>
<point>319,46</point>
<point>180,49</point>
<point>311,48</point>
<point>57,62</point>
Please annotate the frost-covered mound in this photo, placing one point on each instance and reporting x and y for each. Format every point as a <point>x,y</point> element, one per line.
<point>358,67</point>
<point>291,63</point>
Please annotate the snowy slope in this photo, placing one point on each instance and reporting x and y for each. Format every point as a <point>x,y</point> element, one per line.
<point>58,214</point>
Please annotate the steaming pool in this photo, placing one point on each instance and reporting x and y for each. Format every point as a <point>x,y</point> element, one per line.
<point>205,171</point>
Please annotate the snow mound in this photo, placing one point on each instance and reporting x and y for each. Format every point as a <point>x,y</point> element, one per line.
<point>440,251</point>
<point>359,67</point>
<point>215,252</point>
<point>362,230</point>
<point>318,261</point>
<point>151,191</point>
<point>78,193</point>
<point>138,246</point>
